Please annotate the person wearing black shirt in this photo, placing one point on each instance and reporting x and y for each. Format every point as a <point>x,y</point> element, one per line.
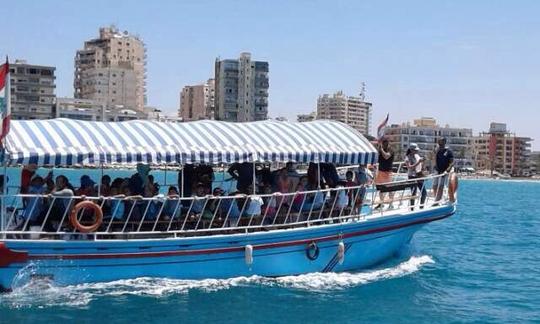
<point>444,161</point>
<point>384,173</point>
<point>243,174</point>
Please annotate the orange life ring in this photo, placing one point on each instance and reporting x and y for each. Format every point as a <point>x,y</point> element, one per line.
<point>452,186</point>
<point>86,228</point>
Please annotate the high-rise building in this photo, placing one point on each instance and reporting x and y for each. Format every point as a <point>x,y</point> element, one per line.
<point>351,110</point>
<point>197,102</point>
<point>425,132</point>
<point>112,70</point>
<point>241,89</point>
<point>502,151</point>
<point>32,91</point>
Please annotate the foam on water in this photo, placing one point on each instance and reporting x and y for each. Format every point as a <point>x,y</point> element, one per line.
<point>41,293</point>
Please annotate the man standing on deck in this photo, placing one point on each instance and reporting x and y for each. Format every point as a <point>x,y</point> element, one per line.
<point>384,172</point>
<point>443,164</point>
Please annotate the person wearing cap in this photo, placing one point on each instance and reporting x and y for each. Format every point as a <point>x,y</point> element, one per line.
<point>444,161</point>
<point>414,163</point>
<point>384,173</point>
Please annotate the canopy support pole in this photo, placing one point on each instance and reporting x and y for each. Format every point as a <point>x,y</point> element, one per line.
<point>100,181</point>
<point>254,179</point>
<point>182,182</point>
<point>165,177</point>
<point>319,175</point>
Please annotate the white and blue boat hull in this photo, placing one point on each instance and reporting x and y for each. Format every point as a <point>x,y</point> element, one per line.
<point>364,243</point>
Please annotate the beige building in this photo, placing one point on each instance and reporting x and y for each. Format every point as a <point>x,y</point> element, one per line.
<point>197,102</point>
<point>351,110</point>
<point>502,151</point>
<point>241,89</point>
<point>425,132</point>
<point>32,90</point>
<point>112,70</point>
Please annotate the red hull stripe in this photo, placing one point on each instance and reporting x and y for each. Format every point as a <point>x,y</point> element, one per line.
<point>8,256</point>
<point>230,249</point>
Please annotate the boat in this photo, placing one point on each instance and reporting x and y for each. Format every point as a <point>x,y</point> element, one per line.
<point>76,239</point>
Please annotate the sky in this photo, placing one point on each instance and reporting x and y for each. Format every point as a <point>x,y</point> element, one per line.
<point>466,63</point>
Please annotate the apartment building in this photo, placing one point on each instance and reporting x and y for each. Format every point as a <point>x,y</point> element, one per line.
<point>197,101</point>
<point>503,151</point>
<point>32,90</point>
<point>425,132</point>
<point>351,110</point>
<point>241,89</point>
<point>112,69</point>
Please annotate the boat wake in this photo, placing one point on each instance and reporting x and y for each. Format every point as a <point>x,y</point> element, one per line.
<point>40,293</point>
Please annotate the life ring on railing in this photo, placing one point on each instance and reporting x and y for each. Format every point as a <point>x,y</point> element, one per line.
<point>312,251</point>
<point>452,186</point>
<point>87,204</point>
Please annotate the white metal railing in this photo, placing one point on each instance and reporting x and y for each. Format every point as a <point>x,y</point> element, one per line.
<point>48,216</point>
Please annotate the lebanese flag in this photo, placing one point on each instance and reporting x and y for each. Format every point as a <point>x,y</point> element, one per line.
<point>5,100</point>
<point>382,126</point>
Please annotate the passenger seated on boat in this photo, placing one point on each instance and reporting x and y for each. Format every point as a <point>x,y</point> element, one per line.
<point>314,179</point>
<point>230,209</point>
<point>270,203</point>
<point>35,205</point>
<point>242,173</point>
<point>87,187</point>
<point>363,178</point>
<point>305,202</point>
<point>205,175</point>
<point>264,177</point>
<point>171,208</point>
<point>61,202</point>
<point>186,185</point>
<point>136,185</point>
<point>105,189</point>
<point>27,174</point>
<point>199,203</point>
<point>329,174</point>
<point>254,203</point>
<point>341,195</point>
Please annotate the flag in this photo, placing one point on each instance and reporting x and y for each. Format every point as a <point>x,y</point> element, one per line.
<point>5,101</point>
<point>382,126</point>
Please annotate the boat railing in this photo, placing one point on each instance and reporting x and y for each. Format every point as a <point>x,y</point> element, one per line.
<point>32,216</point>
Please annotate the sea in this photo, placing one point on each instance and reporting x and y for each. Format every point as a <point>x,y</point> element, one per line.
<point>481,265</point>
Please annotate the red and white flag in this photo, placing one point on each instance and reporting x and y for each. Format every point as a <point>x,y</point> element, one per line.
<point>382,126</point>
<point>5,100</point>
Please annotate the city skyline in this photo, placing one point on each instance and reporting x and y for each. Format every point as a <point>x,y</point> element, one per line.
<point>465,68</point>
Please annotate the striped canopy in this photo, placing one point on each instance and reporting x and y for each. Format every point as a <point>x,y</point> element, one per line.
<point>73,142</point>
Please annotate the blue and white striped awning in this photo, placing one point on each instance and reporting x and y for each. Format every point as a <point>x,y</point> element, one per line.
<point>74,142</point>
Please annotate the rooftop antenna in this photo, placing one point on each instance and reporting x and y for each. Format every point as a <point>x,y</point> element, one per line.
<point>363,91</point>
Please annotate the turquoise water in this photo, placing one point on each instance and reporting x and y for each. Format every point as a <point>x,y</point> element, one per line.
<point>481,265</point>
